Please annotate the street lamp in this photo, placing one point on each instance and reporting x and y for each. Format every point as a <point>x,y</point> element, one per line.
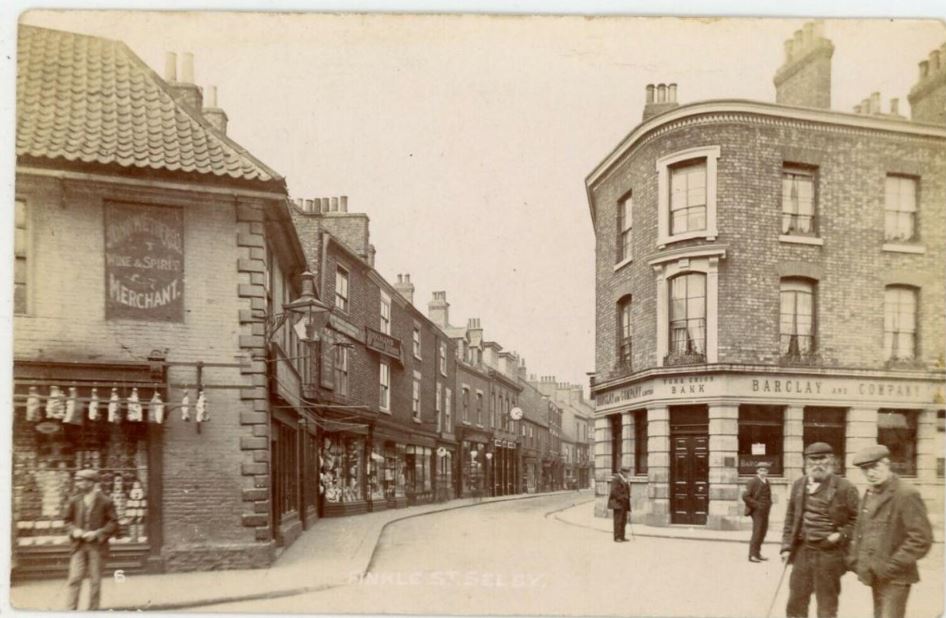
<point>312,313</point>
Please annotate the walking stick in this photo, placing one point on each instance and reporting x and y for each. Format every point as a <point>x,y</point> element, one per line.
<point>778,589</point>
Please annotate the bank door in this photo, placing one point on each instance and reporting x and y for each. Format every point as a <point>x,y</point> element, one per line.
<point>689,479</point>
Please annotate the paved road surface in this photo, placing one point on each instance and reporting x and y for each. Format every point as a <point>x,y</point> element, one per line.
<point>510,558</point>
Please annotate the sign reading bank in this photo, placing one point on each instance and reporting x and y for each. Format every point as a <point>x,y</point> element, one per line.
<point>144,263</point>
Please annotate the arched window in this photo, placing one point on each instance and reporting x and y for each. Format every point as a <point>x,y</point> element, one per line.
<point>624,332</point>
<point>797,318</point>
<point>899,322</point>
<point>688,315</point>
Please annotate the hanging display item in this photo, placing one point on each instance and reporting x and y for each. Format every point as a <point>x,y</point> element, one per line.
<point>200,409</point>
<point>186,408</point>
<point>114,407</point>
<point>156,409</point>
<point>134,407</point>
<point>33,405</point>
<point>73,415</point>
<point>54,404</point>
<point>94,405</point>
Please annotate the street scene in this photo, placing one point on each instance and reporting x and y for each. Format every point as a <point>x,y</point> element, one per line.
<point>478,315</point>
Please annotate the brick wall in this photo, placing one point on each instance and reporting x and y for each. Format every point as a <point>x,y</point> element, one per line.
<point>203,505</point>
<point>852,165</point>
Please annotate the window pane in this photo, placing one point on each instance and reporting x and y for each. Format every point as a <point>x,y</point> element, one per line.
<point>760,437</point>
<point>896,429</point>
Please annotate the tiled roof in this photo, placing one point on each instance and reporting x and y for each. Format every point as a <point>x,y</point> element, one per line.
<point>91,100</point>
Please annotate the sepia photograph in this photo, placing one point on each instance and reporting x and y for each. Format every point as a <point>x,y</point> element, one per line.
<point>480,314</point>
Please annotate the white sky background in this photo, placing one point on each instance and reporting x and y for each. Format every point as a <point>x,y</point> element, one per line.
<point>467,139</point>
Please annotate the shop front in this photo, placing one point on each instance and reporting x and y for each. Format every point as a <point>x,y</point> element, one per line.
<point>343,471</point>
<point>701,434</point>
<point>505,466</point>
<point>476,474</point>
<point>445,455</point>
<point>71,416</point>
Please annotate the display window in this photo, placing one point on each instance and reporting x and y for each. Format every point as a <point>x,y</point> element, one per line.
<point>896,429</point>
<point>342,474</point>
<point>376,473</point>
<point>826,425</point>
<point>761,430</point>
<point>47,452</point>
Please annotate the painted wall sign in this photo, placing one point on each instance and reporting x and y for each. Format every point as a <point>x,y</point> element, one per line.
<point>144,263</point>
<point>385,344</point>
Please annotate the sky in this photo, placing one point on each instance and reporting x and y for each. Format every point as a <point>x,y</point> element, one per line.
<point>467,139</point>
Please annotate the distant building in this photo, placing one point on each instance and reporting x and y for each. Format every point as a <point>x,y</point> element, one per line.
<point>770,275</point>
<point>577,424</point>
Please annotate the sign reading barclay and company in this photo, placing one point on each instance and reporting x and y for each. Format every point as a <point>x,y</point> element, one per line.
<point>144,263</point>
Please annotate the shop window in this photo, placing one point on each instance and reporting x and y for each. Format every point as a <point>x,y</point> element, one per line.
<point>688,317</point>
<point>20,257</point>
<point>797,318</point>
<point>625,229</point>
<point>899,323</point>
<point>342,460</point>
<point>384,381</point>
<point>900,208</point>
<point>376,468</point>
<point>616,442</point>
<point>760,438</point>
<point>826,425</point>
<point>640,442</point>
<point>341,289</point>
<point>896,429</point>
<point>624,334</point>
<point>798,201</point>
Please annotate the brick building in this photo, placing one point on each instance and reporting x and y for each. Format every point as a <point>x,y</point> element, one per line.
<point>384,398</point>
<point>577,426</point>
<point>535,442</point>
<point>767,276</point>
<point>141,310</point>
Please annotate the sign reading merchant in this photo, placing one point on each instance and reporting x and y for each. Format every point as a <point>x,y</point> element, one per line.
<point>144,263</point>
<point>385,344</point>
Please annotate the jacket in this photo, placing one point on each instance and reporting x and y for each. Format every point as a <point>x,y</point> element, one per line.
<point>102,520</point>
<point>620,497</point>
<point>892,536</point>
<point>758,495</point>
<point>842,500</point>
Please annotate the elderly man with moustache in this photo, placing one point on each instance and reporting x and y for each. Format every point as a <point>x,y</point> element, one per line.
<point>893,531</point>
<point>819,523</point>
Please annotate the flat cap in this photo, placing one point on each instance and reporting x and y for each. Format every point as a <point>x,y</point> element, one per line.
<point>625,469</point>
<point>819,449</point>
<point>87,474</point>
<point>871,454</point>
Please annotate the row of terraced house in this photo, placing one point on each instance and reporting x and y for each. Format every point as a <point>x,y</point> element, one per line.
<point>229,359</point>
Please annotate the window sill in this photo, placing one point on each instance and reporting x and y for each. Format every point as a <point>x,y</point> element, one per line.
<point>904,248</point>
<point>623,263</point>
<point>801,240</point>
<point>710,235</point>
<point>416,420</point>
<point>384,411</point>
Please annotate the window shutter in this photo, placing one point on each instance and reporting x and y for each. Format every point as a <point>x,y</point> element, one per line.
<point>328,359</point>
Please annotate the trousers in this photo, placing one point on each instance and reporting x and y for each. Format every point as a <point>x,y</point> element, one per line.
<point>760,525</point>
<point>85,561</point>
<point>815,570</point>
<point>620,523</point>
<point>890,599</point>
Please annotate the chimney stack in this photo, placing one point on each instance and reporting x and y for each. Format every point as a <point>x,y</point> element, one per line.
<point>405,288</point>
<point>438,310</point>
<point>664,100</point>
<point>170,67</point>
<point>804,80</point>
<point>928,96</point>
<point>214,115</point>
<point>185,92</point>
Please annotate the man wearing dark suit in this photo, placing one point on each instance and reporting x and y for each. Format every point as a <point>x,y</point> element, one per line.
<point>893,531</point>
<point>620,502</point>
<point>91,520</point>
<point>758,499</point>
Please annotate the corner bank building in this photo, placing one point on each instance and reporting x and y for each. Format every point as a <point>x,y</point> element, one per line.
<point>767,276</point>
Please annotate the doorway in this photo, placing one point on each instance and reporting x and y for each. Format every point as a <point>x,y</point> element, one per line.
<point>689,465</point>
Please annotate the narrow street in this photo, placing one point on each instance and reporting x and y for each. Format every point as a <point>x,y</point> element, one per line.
<point>511,558</point>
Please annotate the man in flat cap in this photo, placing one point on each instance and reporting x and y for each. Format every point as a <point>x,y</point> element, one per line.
<point>819,523</point>
<point>91,520</point>
<point>620,502</point>
<point>758,499</point>
<point>893,531</point>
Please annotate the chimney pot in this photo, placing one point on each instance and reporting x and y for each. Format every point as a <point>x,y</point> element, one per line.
<point>924,69</point>
<point>895,107</point>
<point>343,203</point>
<point>187,68</point>
<point>334,204</point>
<point>170,67</point>
<point>211,97</point>
<point>857,109</point>
<point>875,102</point>
<point>672,93</point>
<point>818,29</point>
<point>798,43</point>
<point>865,106</point>
<point>308,205</point>
<point>661,93</point>
<point>807,33</point>
<point>650,93</point>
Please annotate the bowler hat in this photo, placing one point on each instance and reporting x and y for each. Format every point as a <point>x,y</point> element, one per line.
<point>870,455</point>
<point>819,449</point>
<point>88,475</point>
<point>763,464</point>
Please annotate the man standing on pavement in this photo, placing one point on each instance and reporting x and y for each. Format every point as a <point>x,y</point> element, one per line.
<point>91,520</point>
<point>893,531</point>
<point>620,502</point>
<point>819,523</point>
<point>758,499</point>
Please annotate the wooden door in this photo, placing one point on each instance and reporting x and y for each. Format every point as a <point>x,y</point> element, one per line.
<point>689,479</point>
